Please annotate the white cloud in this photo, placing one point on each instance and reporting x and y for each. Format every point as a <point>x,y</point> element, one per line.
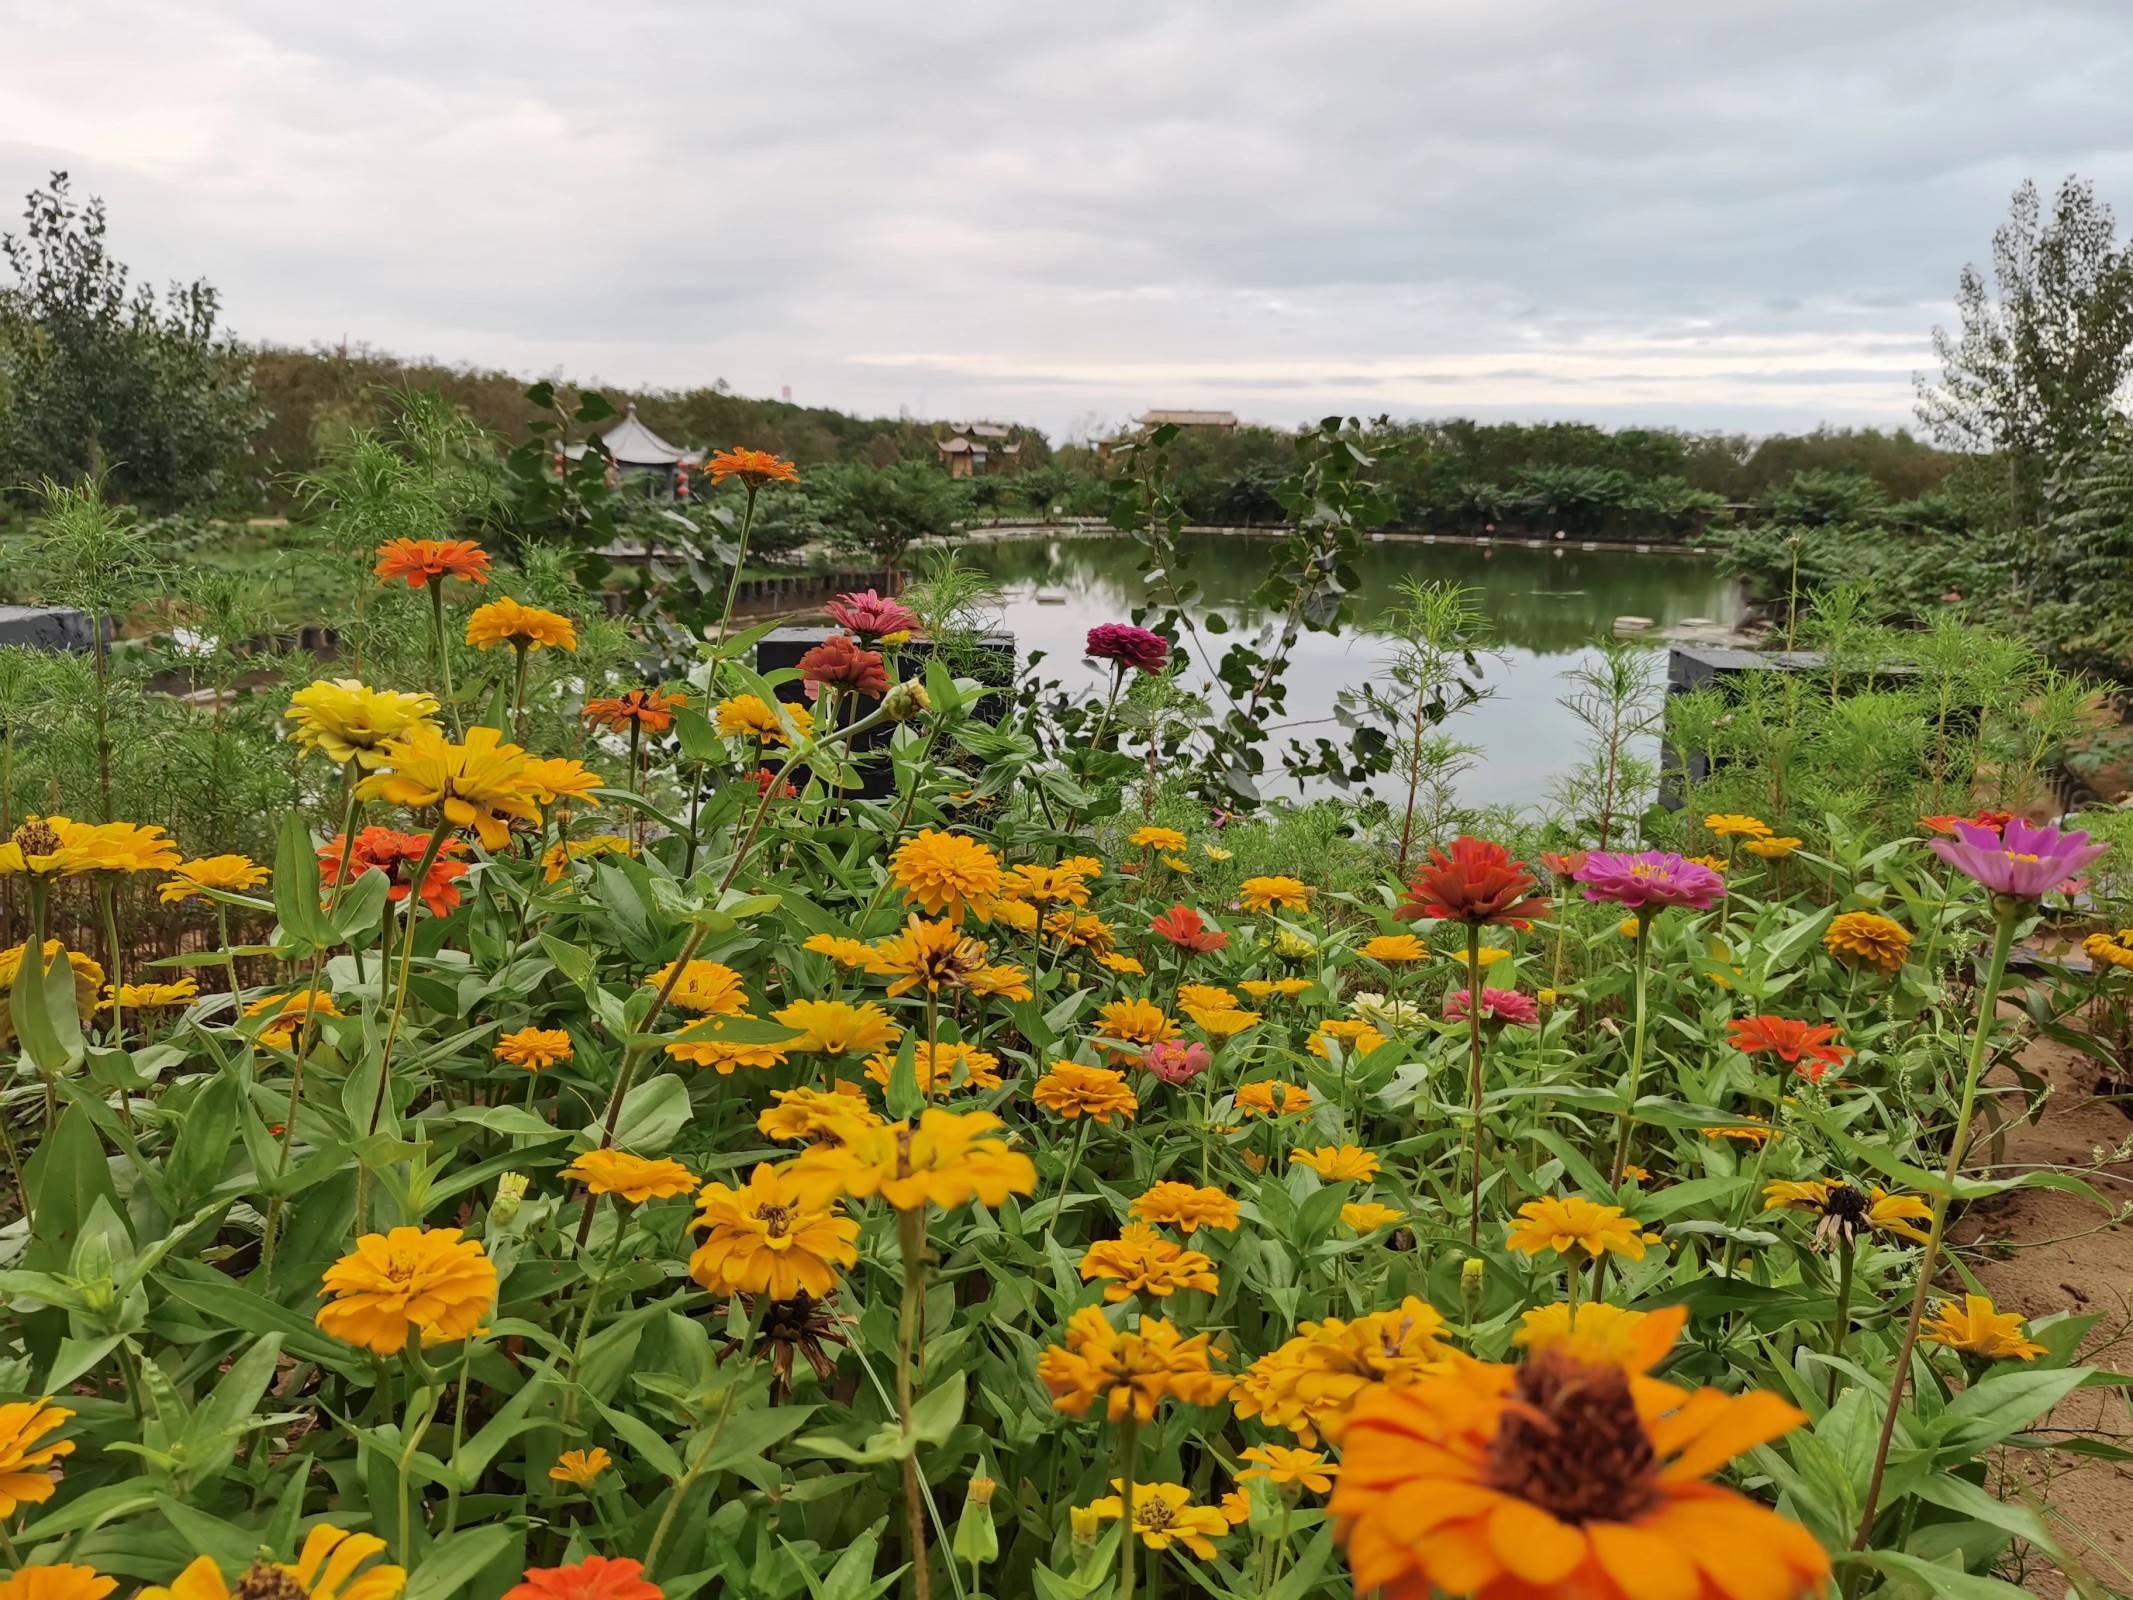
<point>1655,209</point>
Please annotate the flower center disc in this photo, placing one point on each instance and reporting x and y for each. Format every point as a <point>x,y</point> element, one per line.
<point>1571,1443</point>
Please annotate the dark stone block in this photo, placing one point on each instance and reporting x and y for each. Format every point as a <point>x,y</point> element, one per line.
<point>48,628</point>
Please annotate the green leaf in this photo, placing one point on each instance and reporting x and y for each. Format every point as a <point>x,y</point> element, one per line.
<point>573,962</point>
<point>296,886</point>
<point>652,1113</point>
<point>452,1563</point>
<point>46,1021</point>
<point>2004,1403</point>
<point>1937,1582</point>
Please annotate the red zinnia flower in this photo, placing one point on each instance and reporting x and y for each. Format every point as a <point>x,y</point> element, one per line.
<point>838,661</point>
<point>764,778</point>
<point>1565,863</point>
<point>1188,930</point>
<point>594,1578</point>
<point>1943,825</point>
<point>397,855</point>
<point>1809,1048</point>
<point>648,708</point>
<point>422,561</point>
<point>1129,646</point>
<point>1475,882</point>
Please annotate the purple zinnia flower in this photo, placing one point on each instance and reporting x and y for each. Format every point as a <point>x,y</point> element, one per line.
<point>1497,1005</point>
<point>1649,880</point>
<point>1129,646</point>
<point>2023,861</point>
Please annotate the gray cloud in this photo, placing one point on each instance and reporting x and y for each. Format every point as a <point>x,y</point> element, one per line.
<point>1656,210</point>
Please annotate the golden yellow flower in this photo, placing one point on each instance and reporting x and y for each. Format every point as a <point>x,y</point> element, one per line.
<point>479,785</point>
<point>1274,988</point>
<point>634,1179</point>
<point>1222,1023</point>
<point>1016,914</point>
<point>153,996</point>
<point>1177,864</point>
<point>943,1068</point>
<point>1268,1098</point>
<point>1561,1477</point>
<point>1132,1373</point>
<point>752,717</point>
<point>580,1467</point>
<point>1338,1163</point>
<point>71,1581</point>
<point>285,1013</point>
<point>1215,852</point>
<point>428,1280</point>
<point>1310,1384</point>
<point>1065,884</point>
<point>1077,931</point>
<point>815,1114</point>
<point>704,987</point>
<point>1186,1208</point>
<point>945,1159</point>
<point>1487,956</point>
<point>846,952</point>
<point>26,1476</point>
<point>1130,966</point>
<point>1283,1464</point>
<point>1071,1090</point>
<point>1142,1261</point>
<point>1164,1515</point>
<point>1598,1334</point>
<point>701,1045</point>
<point>1367,1216</point>
<point>779,1236</point>
<point>1847,1212</point>
<point>1732,824</point>
<point>534,1048</point>
<point>1752,1131</point>
<point>946,875</point>
<point>552,778</point>
<point>1979,1328</point>
<point>1207,996</point>
<point>330,1566</point>
<point>1005,981</point>
<point>1715,863</point>
<point>1134,1022</point>
<point>1870,938</point>
<point>1274,894</point>
<point>1575,1223</point>
<point>1154,838</point>
<point>505,621</point>
<point>1772,849</point>
<point>232,874</point>
<point>2110,949</point>
<point>557,858</point>
<point>831,1027</point>
<point>1357,1037</point>
<point>346,721</point>
<point>929,955</point>
<point>94,847</point>
<point>1394,947</point>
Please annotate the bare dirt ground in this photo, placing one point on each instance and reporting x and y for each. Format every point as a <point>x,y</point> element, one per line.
<point>2038,1251</point>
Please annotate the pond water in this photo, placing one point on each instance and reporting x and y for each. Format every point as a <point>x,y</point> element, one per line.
<point>1546,607</point>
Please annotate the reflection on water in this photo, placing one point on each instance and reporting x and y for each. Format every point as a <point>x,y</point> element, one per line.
<point>1546,607</point>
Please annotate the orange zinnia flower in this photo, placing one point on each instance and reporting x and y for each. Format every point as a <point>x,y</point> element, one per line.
<point>1809,1048</point>
<point>753,467</point>
<point>1476,882</point>
<point>647,708</point>
<point>422,561</point>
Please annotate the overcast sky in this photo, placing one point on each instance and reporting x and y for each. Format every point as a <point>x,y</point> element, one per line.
<point>1708,215</point>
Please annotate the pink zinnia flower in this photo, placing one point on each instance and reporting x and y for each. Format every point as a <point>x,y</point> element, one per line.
<point>1497,1005</point>
<point>1129,646</point>
<point>2021,861</point>
<point>1175,1061</point>
<point>1649,879</point>
<point>870,615</point>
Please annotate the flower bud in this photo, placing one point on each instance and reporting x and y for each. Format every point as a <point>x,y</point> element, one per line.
<point>907,701</point>
<point>510,1194</point>
<point>1471,1279</point>
<point>1088,1526</point>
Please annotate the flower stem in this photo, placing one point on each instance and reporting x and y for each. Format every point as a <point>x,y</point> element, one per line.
<point>1128,1537</point>
<point>911,1239</point>
<point>1840,1324</point>
<point>1066,1181</point>
<point>1640,964</point>
<point>518,701</point>
<point>740,559</point>
<point>2009,912</point>
<point>444,650</point>
<point>1473,1053</point>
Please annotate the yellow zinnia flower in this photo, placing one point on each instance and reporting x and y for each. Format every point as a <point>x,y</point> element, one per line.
<point>1070,1089</point>
<point>751,716</point>
<point>479,784</point>
<point>152,996</point>
<point>1164,1515</point>
<point>705,987</point>
<point>1131,1372</point>
<point>426,1280</point>
<point>1153,838</point>
<point>285,1013</point>
<point>929,955</point>
<point>232,874</point>
<point>557,858</point>
<point>552,778</point>
<point>1732,824</point>
<point>814,1114</point>
<point>580,1467</point>
<point>67,1581</point>
<point>326,1568</point>
<point>1142,1261</point>
<point>1367,1216</point>
<point>846,952</point>
<point>111,847</point>
<point>1272,894</point>
<point>345,721</point>
<point>534,1048</point>
<point>943,1067</point>
<point>1394,947</point>
<point>25,1460</point>
<point>1311,1383</point>
<point>1338,1163</point>
<point>1979,1328</point>
<point>944,1159</point>
<point>945,875</point>
<point>701,1046</point>
<point>1281,988</point>
<point>1284,1465</point>
<point>1868,937</point>
<point>1186,1208</point>
<point>1134,1022</point>
<point>634,1179</point>
<point>1575,1223</point>
<point>1772,849</point>
<point>779,1236</point>
<point>831,1027</point>
<point>505,621</point>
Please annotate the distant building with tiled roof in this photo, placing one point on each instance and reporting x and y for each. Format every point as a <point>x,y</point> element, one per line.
<point>974,449</point>
<point>638,453</point>
<point>1222,420</point>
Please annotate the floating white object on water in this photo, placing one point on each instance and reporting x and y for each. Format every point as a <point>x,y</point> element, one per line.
<point>1632,624</point>
<point>1051,597</point>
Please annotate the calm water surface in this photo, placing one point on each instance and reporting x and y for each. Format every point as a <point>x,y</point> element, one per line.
<point>1546,607</point>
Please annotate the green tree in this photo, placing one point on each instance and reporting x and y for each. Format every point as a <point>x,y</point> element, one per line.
<point>99,379</point>
<point>885,512</point>
<point>2045,351</point>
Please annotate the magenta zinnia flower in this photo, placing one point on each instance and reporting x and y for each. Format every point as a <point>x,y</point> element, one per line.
<point>1129,646</point>
<point>870,615</point>
<point>1650,879</point>
<point>1497,1005</point>
<point>2023,861</point>
<point>1174,1061</point>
